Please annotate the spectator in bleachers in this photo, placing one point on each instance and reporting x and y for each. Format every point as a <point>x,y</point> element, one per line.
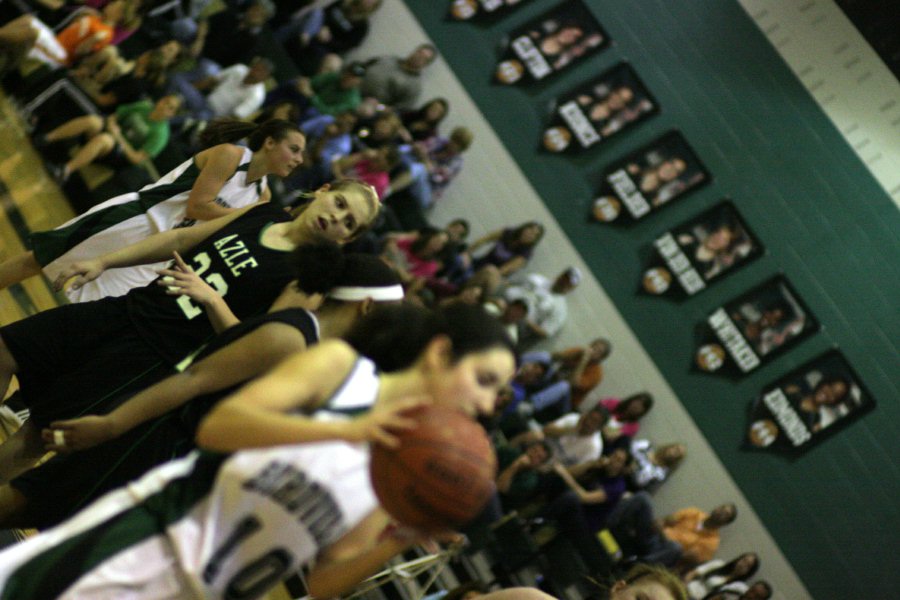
<point>135,133</point>
<point>652,466</point>
<point>688,535</point>
<point>547,310</point>
<point>372,166</point>
<point>323,94</point>
<point>423,123</point>
<point>713,574</point>
<point>598,484</point>
<point>625,416</point>
<point>397,81</point>
<point>323,33</point>
<point>575,437</point>
<point>582,368</point>
<point>237,91</point>
<point>519,475</point>
<point>88,33</point>
<point>415,256</point>
<point>228,38</point>
<point>383,128</point>
<point>130,81</point>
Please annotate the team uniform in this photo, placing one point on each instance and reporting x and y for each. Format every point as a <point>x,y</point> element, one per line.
<point>68,482</point>
<point>72,357</point>
<point>129,218</point>
<point>206,526</point>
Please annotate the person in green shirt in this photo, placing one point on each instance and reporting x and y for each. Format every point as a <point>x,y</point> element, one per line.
<point>519,478</point>
<point>330,93</point>
<point>136,132</point>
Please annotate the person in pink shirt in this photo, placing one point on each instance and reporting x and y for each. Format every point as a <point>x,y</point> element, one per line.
<point>624,416</point>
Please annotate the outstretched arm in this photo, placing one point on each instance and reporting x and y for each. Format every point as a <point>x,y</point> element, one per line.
<point>155,248</point>
<point>245,358</point>
<point>261,413</point>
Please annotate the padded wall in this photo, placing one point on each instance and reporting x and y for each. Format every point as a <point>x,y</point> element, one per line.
<point>825,223</point>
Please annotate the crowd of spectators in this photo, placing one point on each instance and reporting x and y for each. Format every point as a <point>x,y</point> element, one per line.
<point>570,457</point>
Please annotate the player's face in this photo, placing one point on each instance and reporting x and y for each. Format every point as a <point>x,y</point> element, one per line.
<point>472,382</point>
<point>337,215</point>
<point>286,154</point>
<point>642,590</point>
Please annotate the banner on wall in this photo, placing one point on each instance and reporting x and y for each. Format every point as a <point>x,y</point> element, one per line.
<point>807,405</point>
<point>704,249</point>
<point>596,110</point>
<point>742,334</point>
<point>648,179</point>
<point>550,43</point>
<point>468,10</point>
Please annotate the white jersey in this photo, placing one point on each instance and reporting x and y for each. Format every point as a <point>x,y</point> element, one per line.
<point>206,526</point>
<point>129,218</point>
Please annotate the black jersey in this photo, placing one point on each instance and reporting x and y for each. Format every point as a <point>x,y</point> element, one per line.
<point>234,262</point>
<point>67,482</point>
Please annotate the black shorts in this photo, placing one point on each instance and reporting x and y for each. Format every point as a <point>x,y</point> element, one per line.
<point>66,483</point>
<point>73,358</point>
<point>116,159</point>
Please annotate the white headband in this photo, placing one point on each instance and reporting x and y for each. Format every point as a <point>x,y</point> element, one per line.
<point>377,293</point>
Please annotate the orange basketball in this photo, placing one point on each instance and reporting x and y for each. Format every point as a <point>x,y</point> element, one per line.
<point>441,475</point>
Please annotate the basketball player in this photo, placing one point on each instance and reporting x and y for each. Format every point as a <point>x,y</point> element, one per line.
<point>214,527</point>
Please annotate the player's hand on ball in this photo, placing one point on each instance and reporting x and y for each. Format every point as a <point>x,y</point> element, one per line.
<point>381,423</point>
<point>80,272</point>
<point>77,434</point>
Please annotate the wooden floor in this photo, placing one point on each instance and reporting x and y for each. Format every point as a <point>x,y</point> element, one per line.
<point>30,201</point>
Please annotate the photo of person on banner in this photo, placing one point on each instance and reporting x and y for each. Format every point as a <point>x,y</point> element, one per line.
<point>649,178</point>
<point>466,10</point>
<point>603,107</point>
<point>700,250</point>
<point>550,43</point>
<point>806,404</point>
<point>756,325</point>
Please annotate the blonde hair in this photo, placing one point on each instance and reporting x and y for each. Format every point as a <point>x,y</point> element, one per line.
<point>348,185</point>
<point>660,575</point>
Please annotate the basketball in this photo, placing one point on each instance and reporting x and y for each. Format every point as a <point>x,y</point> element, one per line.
<point>441,475</point>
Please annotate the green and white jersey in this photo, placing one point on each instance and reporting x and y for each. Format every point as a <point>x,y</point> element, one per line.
<point>205,526</point>
<point>129,218</point>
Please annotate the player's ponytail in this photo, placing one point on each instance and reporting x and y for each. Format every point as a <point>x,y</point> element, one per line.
<point>230,130</point>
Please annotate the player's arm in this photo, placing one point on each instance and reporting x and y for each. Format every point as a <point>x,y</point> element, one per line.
<point>181,280</point>
<point>356,555</point>
<point>155,248</point>
<point>217,165</point>
<point>262,413</point>
<point>243,359</point>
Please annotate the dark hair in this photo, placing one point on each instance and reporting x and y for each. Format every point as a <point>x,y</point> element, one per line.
<point>424,237</point>
<point>229,130</point>
<point>728,568</point>
<point>422,113</point>
<point>366,270</point>
<point>599,408</point>
<point>511,236</point>
<point>642,397</point>
<point>765,585</point>
<point>463,222</point>
<point>316,266</point>
<point>395,336</point>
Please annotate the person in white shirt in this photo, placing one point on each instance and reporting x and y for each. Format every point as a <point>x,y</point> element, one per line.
<point>546,300</point>
<point>237,91</point>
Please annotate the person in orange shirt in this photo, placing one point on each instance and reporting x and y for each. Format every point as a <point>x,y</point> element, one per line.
<point>697,532</point>
<point>689,535</point>
<point>582,368</point>
<point>28,35</point>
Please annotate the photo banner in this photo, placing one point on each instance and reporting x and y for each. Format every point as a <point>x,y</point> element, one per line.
<point>599,109</point>
<point>687,258</point>
<point>550,43</point>
<point>648,179</point>
<point>809,404</point>
<point>472,10</point>
<point>749,330</point>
